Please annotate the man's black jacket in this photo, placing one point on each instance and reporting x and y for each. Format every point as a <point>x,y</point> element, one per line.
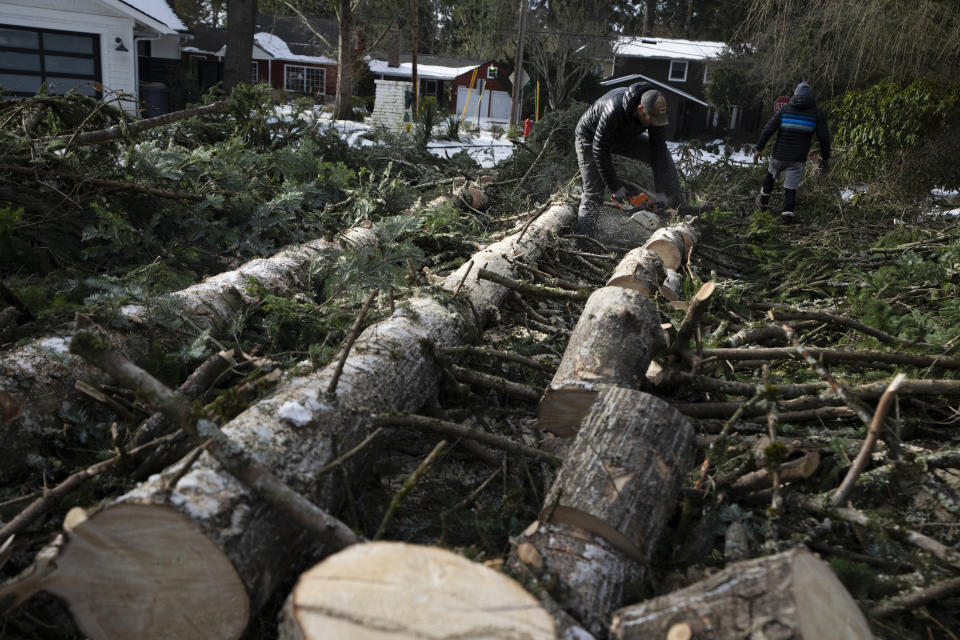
<point>610,122</point>
<point>797,122</point>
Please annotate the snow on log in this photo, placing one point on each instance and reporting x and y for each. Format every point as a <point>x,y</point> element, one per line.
<point>610,502</point>
<point>37,380</point>
<point>392,589</point>
<point>615,339</point>
<point>789,595</point>
<point>294,433</point>
<point>641,270</point>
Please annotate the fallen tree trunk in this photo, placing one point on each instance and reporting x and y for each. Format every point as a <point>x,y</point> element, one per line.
<point>294,433</point>
<point>37,380</point>
<point>673,244</point>
<point>609,504</point>
<point>790,595</point>
<point>615,339</point>
<point>641,270</point>
<point>404,591</point>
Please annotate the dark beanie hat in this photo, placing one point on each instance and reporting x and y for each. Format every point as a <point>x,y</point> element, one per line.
<point>803,90</point>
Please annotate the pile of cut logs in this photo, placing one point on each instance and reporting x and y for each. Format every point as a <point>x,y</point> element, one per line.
<point>197,550</point>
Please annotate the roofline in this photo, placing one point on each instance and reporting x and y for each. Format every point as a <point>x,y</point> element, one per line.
<point>659,83</point>
<point>626,41</point>
<point>145,18</point>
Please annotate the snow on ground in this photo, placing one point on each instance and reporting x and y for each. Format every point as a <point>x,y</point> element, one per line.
<point>709,153</point>
<point>484,146</point>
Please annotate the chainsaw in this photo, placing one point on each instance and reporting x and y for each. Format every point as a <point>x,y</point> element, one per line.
<point>641,208</point>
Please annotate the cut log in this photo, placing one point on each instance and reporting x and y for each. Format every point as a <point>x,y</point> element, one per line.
<point>118,542</point>
<point>586,577</point>
<point>402,591</point>
<point>294,433</point>
<point>471,196</point>
<point>615,339</point>
<point>790,595</point>
<point>672,287</point>
<point>673,244</point>
<point>611,500</point>
<point>617,230</point>
<point>39,377</point>
<point>621,476</point>
<point>641,270</point>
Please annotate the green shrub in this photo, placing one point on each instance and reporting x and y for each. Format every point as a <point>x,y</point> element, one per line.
<point>903,135</point>
<point>428,117</point>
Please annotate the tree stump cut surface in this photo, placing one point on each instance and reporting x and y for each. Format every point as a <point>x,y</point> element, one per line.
<point>100,576</point>
<point>790,595</point>
<point>397,591</point>
<point>641,270</point>
<point>613,343</point>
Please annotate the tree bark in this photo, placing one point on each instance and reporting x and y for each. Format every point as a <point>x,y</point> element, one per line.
<point>343,104</point>
<point>37,380</point>
<point>641,270</point>
<point>241,23</point>
<point>294,433</point>
<point>790,595</point>
<point>613,343</point>
<point>404,591</point>
<point>610,503</point>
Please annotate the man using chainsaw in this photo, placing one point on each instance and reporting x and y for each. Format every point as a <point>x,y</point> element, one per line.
<point>795,126</point>
<point>628,121</point>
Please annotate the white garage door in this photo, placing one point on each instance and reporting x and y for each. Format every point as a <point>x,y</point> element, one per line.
<point>494,104</point>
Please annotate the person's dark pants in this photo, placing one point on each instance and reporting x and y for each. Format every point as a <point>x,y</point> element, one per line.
<point>591,199</point>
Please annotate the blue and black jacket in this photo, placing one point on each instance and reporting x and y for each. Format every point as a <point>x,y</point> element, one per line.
<point>797,122</point>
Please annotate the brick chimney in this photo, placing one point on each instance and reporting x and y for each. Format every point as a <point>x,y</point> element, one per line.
<point>393,56</point>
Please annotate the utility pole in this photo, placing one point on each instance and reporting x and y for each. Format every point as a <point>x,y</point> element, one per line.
<point>515,102</point>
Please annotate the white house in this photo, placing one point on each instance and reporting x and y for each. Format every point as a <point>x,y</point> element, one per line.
<point>91,46</point>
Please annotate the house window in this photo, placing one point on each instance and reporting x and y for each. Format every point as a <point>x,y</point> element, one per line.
<point>309,80</point>
<point>428,88</point>
<point>254,72</point>
<point>492,72</point>
<point>63,60</point>
<point>678,70</point>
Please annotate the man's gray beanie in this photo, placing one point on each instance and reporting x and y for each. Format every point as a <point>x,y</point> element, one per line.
<point>803,90</point>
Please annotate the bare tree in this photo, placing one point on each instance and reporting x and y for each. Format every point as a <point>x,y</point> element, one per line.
<point>564,43</point>
<point>241,20</point>
<point>826,43</point>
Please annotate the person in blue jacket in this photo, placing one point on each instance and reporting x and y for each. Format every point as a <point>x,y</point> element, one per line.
<point>795,125</point>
